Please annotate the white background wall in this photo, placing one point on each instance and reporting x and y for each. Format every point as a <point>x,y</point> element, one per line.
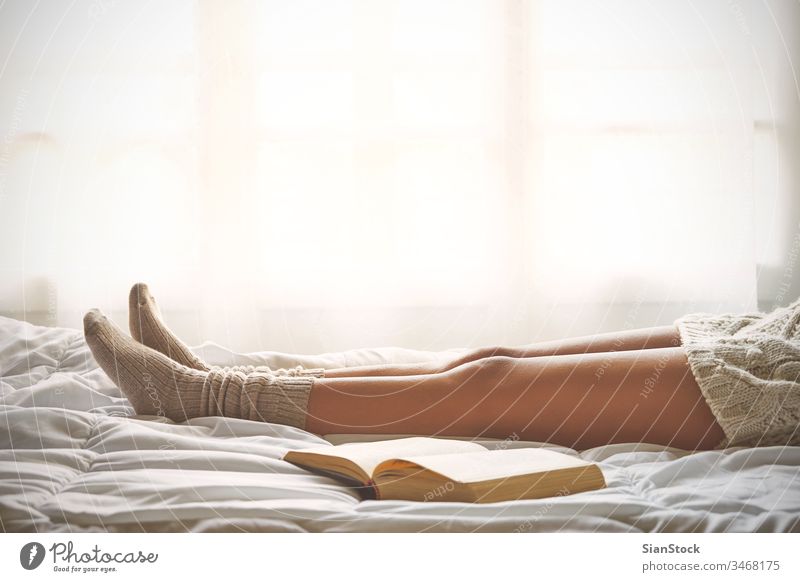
<point>314,176</point>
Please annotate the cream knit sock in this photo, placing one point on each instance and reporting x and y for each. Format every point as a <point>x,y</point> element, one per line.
<point>157,385</point>
<point>148,328</point>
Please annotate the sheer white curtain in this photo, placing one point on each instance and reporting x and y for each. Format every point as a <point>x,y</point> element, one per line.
<point>317,175</point>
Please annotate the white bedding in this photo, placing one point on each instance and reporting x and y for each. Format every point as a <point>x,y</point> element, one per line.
<point>71,460</point>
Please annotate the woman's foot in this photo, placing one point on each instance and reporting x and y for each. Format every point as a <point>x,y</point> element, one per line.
<point>153,383</point>
<point>156,385</point>
<point>148,328</point>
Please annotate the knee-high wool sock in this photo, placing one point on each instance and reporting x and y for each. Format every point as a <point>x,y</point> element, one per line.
<point>154,384</point>
<point>148,328</point>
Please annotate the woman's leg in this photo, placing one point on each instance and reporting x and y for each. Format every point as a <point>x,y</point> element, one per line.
<point>147,328</point>
<point>579,401</point>
<point>636,339</point>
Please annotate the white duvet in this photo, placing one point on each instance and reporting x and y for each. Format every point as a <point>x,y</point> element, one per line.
<point>71,459</point>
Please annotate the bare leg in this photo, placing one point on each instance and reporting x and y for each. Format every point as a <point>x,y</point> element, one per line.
<point>580,401</point>
<point>636,339</point>
<point>148,328</point>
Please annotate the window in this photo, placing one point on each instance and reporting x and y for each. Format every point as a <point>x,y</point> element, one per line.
<point>317,175</point>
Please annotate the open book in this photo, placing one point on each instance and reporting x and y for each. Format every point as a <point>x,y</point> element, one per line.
<point>428,469</point>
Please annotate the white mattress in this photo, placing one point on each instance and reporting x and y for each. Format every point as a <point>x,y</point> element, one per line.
<point>71,460</point>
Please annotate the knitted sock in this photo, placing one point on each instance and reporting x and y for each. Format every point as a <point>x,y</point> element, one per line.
<point>154,384</point>
<point>148,328</point>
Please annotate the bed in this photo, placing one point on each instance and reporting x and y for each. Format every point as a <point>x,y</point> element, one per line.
<point>73,458</point>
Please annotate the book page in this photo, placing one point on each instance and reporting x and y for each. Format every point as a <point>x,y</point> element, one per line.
<point>471,467</point>
<point>369,455</point>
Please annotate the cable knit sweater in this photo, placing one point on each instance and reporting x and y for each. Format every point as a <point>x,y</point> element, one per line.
<point>748,368</point>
